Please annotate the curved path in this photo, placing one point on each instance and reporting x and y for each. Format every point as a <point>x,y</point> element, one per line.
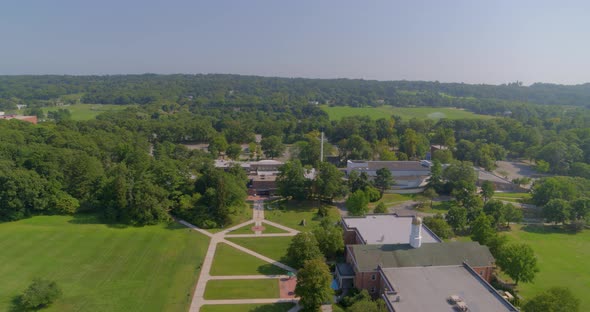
<point>199,300</point>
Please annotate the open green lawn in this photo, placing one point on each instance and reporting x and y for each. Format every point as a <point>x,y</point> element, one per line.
<point>230,261</point>
<point>391,199</point>
<point>562,258</point>
<point>276,307</point>
<point>86,111</point>
<point>101,267</point>
<point>435,113</point>
<point>512,197</point>
<point>242,289</point>
<point>268,229</point>
<point>272,247</point>
<point>292,213</point>
<point>436,208</point>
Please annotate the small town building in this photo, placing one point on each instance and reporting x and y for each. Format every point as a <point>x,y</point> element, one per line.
<point>390,241</point>
<point>439,288</point>
<point>407,174</point>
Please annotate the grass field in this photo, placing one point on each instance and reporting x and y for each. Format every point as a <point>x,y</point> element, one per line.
<point>435,113</point>
<point>230,261</point>
<point>512,197</point>
<point>562,259</point>
<point>272,247</point>
<point>86,111</point>
<point>391,199</point>
<point>101,267</point>
<point>242,289</point>
<point>292,213</point>
<point>268,229</point>
<point>276,307</point>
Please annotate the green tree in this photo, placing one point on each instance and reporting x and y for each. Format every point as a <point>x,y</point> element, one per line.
<point>482,230</point>
<point>457,218</point>
<point>41,293</point>
<point>435,180</point>
<point>330,238</point>
<point>439,226</point>
<point>329,182</point>
<point>357,203</point>
<point>358,181</point>
<point>496,211</point>
<point>304,246</point>
<point>519,262</point>
<point>431,194</point>
<point>218,145</point>
<point>272,146</point>
<point>557,211</point>
<point>380,208</point>
<point>555,299</point>
<point>368,305</point>
<point>291,180</point>
<point>487,190</point>
<point>383,179</point>
<point>313,284</point>
<point>580,208</point>
<point>233,151</point>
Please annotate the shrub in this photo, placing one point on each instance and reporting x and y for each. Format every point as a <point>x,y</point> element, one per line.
<point>40,293</point>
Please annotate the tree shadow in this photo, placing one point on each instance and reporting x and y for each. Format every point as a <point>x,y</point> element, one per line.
<point>546,229</point>
<point>16,305</point>
<point>270,269</point>
<point>87,218</point>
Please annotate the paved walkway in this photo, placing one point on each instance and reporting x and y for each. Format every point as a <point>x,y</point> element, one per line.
<point>199,300</point>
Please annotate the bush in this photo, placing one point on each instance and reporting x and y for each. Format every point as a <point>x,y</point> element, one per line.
<point>40,293</point>
<point>380,208</point>
<point>373,194</point>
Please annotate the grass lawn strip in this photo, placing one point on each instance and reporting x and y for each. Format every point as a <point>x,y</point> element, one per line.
<point>275,307</point>
<point>86,111</point>
<point>291,213</point>
<point>230,261</point>
<point>272,247</point>
<point>562,258</point>
<point>101,267</point>
<point>242,289</point>
<point>434,113</point>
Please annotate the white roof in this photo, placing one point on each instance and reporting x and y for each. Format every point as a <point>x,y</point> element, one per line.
<point>430,288</point>
<point>386,229</point>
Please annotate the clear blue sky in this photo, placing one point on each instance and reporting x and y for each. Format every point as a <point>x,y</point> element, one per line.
<point>451,41</point>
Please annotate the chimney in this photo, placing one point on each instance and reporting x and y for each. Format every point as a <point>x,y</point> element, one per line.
<point>416,233</point>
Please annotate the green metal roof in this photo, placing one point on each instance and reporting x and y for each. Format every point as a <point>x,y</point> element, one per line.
<point>368,257</point>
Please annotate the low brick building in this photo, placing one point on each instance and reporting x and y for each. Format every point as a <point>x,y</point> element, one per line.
<point>405,243</point>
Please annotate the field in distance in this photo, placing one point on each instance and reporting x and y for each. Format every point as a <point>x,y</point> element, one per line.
<point>101,267</point>
<point>86,111</point>
<point>435,113</point>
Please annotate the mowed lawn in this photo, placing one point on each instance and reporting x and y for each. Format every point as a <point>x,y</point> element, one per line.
<point>562,258</point>
<point>292,213</point>
<point>435,113</point>
<point>230,261</point>
<point>86,111</point>
<point>242,289</point>
<point>272,247</point>
<point>276,307</point>
<point>101,267</point>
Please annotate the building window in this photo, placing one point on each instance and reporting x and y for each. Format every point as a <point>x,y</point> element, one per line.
<point>372,290</point>
<point>373,277</point>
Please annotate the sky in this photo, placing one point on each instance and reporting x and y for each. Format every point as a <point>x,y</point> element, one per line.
<point>489,42</point>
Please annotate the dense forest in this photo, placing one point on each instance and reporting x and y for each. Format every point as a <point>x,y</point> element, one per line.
<point>130,165</point>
